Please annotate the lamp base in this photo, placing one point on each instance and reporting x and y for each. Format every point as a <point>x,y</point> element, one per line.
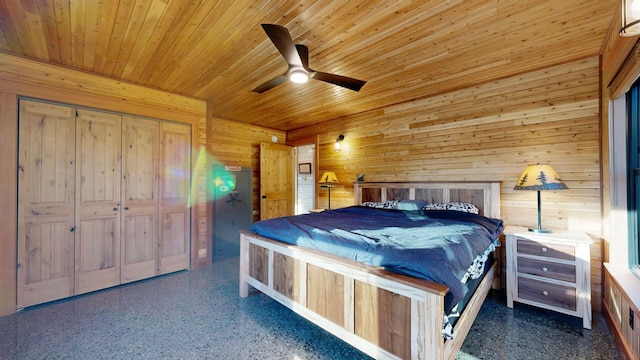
<point>540,231</point>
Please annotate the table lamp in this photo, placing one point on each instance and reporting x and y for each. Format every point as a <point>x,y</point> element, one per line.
<point>329,180</point>
<point>540,177</point>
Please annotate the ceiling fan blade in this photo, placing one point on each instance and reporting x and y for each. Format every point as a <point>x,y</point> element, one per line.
<point>303,51</point>
<point>281,38</point>
<point>270,84</point>
<point>346,82</point>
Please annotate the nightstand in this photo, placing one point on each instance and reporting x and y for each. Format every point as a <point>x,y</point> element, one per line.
<point>550,271</point>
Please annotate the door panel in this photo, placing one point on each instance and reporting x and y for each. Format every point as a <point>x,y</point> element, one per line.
<point>46,164</point>
<point>175,179</point>
<point>98,202</point>
<point>277,192</point>
<point>140,246</point>
<point>139,198</point>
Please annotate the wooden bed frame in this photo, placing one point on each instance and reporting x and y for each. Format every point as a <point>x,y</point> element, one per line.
<point>385,315</point>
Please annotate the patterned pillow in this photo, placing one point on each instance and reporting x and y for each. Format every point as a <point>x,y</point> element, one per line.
<point>391,204</point>
<point>454,205</point>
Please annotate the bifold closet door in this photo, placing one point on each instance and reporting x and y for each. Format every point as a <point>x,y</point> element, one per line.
<point>98,199</point>
<point>139,199</point>
<point>46,172</point>
<point>175,179</point>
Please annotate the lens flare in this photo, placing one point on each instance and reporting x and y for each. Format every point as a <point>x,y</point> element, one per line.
<point>222,185</point>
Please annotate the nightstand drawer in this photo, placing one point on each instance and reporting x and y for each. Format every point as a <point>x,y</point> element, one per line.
<point>547,269</point>
<point>556,251</point>
<point>559,296</point>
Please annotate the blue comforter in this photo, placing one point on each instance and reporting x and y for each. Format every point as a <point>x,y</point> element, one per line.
<point>435,245</point>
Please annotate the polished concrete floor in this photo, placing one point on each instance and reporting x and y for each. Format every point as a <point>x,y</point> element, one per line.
<point>199,315</point>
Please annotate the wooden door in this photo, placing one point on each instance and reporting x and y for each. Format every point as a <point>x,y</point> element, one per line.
<point>175,182</point>
<point>139,231</point>
<point>46,170</point>
<point>277,193</point>
<point>97,248</point>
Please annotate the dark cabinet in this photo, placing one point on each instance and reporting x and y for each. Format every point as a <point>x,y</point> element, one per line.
<point>232,208</point>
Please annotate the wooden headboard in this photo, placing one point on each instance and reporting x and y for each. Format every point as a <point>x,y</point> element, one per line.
<point>484,195</point>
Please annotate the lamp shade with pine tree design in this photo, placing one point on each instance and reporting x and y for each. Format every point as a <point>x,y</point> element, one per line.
<point>540,177</point>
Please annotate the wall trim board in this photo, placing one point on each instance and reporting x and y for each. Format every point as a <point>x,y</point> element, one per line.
<point>50,79</point>
<point>8,200</point>
<point>98,101</point>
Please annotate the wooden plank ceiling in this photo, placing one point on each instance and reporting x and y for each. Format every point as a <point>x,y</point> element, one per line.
<point>217,50</point>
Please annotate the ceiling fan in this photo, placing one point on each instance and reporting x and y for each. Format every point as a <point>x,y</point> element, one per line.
<point>297,56</point>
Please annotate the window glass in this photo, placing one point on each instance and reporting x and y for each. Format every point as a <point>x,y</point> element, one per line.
<point>633,174</point>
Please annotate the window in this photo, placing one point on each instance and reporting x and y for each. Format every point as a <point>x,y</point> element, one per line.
<point>633,175</point>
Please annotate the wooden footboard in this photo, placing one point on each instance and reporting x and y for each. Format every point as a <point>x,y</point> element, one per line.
<point>385,315</point>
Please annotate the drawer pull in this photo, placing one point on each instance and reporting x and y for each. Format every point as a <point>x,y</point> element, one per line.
<point>545,293</point>
<point>545,269</point>
<point>544,249</point>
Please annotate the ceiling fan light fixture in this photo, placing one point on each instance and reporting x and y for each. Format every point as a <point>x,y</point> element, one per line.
<point>299,76</point>
<point>630,18</point>
<point>297,57</point>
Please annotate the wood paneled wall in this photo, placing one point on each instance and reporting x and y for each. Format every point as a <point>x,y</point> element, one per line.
<point>232,143</point>
<point>488,132</point>
<point>25,78</point>
<point>620,69</point>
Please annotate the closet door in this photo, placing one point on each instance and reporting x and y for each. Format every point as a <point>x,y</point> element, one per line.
<point>175,178</point>
<point>46,170</point>
<point>98,200</point>
<point>139,199</point>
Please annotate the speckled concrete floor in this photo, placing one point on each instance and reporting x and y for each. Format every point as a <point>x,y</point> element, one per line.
<point>199,315</point>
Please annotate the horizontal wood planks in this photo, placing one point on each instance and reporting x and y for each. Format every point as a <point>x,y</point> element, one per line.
<point>488,132</point>
<point>36,79</point>
<point>216,50</point>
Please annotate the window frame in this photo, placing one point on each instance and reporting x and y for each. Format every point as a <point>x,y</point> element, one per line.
<point>632,118</point>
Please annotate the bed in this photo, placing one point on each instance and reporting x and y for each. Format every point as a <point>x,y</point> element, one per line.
<point>385,314</point>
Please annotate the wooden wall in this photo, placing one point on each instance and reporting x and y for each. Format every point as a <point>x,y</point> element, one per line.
<point>620,69</point>
<point>488,132</point>
<point>232,143</point>
<point>25,78</point>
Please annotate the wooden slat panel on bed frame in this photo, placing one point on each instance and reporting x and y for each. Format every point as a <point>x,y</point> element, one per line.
<point>385,315</point>
<point>485,195</point>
